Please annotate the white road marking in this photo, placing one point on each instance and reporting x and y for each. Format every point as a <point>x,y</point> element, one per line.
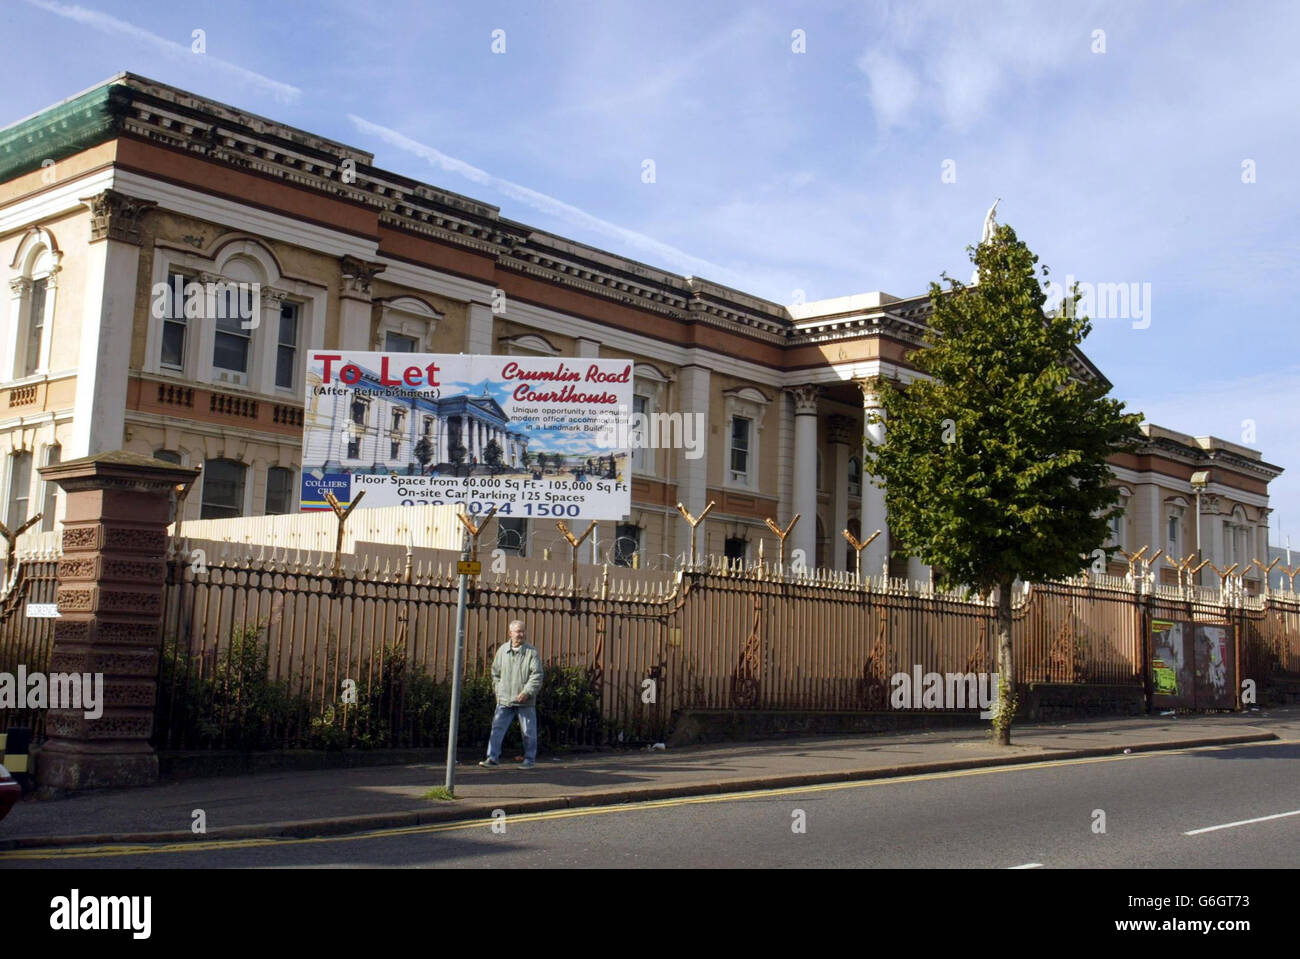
<point>1028,865</point>
<point>1243,822</point>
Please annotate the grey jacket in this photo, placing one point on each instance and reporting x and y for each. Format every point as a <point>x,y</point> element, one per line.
<point>516,671</point>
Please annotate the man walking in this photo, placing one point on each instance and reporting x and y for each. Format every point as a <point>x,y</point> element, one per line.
<point>517,676</point>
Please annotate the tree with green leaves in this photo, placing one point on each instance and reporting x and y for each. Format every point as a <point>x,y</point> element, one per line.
<point>423,452</point>
<point>492,454</point>
<point>456,452</point>
<point>994,465</point>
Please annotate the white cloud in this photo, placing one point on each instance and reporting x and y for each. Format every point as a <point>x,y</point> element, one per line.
<point>893,87</point>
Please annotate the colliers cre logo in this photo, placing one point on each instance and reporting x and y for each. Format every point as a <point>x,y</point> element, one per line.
<point>75,913</point>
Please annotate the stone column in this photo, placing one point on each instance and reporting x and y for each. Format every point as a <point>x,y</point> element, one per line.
<point>354,303</point>
<point>478,329</point>
<point>265,347</point>
<point>692,474</point>
<point>110,600</point>
<point>875,556</point>
<point>112,264</point>
<point>805,473</point>
<point>840,434</point>
<point>20,288</point>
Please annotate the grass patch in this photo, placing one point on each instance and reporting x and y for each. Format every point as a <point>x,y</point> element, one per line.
<point>440,793</point>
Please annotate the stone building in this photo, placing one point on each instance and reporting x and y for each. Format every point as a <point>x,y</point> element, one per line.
<point>136,187</point>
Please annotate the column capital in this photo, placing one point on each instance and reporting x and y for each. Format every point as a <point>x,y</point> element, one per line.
<point>840,429</point>
<point>357,275</point>
<point>805,399</point>
<point>116,216</point>
<point>20,286</point>
<point>870,387</point>
<point>272,298</point>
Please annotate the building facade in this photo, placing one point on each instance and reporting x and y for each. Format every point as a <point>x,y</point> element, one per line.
<point>116,201</point>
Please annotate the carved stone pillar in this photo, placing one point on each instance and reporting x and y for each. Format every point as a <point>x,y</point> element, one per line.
<point>876,556</point>
<point>840,430</point>
<point>110,601</point>
<point>111,267</point>
<point>805,472</point>
<point>355,302</point>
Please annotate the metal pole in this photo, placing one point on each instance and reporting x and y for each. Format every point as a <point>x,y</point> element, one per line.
<point>457,668</point>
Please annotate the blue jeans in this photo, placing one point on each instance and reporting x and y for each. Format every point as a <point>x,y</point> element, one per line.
<point>501,720</point>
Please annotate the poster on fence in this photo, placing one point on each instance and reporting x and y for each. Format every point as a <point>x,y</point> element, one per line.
<point>536,437</point>
<point>1192,665</point>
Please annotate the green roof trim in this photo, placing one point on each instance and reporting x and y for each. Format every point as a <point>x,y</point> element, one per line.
<point>64,130</point>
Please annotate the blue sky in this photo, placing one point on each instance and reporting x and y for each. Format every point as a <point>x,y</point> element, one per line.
<point>820,171</point>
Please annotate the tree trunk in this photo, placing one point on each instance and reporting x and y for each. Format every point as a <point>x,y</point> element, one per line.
<point>1006,699</point>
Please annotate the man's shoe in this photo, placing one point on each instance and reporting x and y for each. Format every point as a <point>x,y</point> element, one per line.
<point>527,764</point>
<point>489,762</point>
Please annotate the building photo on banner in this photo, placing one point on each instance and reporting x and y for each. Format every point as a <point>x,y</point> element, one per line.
<point>533,439</point>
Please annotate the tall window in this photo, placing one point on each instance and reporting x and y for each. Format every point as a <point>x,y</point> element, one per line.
<point>286,351</point>
<point>627,543</point>
<point>1173,532</point>
<point>53,455</point>
<point>35,326</point>
<point>175,325</point>
<point>735,549</point>
<point>359,410</point>
<point>230,347</point>
<point>740,435</point>
<point>279,489</point>
<point>223,489</point>
<point>398,343</point>
<point>855,476</point>
<point>20,488</point>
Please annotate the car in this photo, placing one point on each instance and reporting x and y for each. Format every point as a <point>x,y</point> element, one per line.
<point>10,792</point>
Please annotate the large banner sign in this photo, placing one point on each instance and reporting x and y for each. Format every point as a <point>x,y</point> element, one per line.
<point>537,437</point>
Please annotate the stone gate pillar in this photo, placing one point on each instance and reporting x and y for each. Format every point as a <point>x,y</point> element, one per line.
<point>110,600</point>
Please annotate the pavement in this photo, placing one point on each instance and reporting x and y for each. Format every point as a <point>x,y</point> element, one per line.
<point>337,801</point>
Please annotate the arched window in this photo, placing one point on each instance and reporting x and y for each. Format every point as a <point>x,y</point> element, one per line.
<point>37,264</point>
<point>223,489</point>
